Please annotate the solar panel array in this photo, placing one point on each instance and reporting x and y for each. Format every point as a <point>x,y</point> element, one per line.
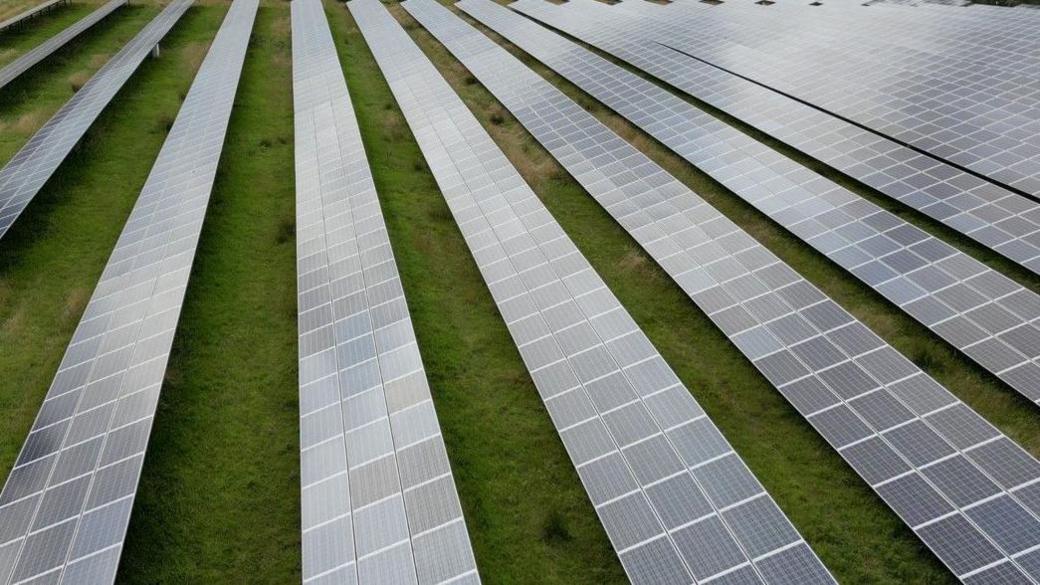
<point>676,501</point>
<point>968,491</point>
<point>995,217</point>
<point>41,52</point>
<point>26,15</point>
<point>66,504</point>
<point>987,316</point>
<point>25,174</point>
<point>968,111</point>
<point>378,498</point>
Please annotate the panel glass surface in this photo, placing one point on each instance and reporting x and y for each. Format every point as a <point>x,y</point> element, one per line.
<point>987,316</point>
<point>898,428</point>
<point>666,485</point>
<point>66,504</point>
<point>25,174</point>
<point>377,493</point>
<point>45,49</point>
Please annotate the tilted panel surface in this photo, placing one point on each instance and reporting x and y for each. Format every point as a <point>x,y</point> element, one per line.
<point>967,112</point>
<point>675,500</point>
<point>66,504</point>
<point>45,49</point>
<point>987,316</point>
<point>25,174</point>
<point>997,218</point>
<point>378,497</point>
<point>898,428</point>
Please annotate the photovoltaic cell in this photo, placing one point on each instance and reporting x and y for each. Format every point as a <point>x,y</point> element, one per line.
<point>378,498</point>
<point>66,504</point>
<point>26,15</point>
<point>987,316</point>
<point>898,428</point>
<point>665,483</point>
<point>37,54</point>
<point>979,112</point>
<point>25,174</point>
<point>992,215</point>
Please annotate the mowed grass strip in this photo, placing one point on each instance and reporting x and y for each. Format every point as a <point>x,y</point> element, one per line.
<point>852,530</point>
<point>29,101</point>
<point>528,516</point>
<point>219,495</point>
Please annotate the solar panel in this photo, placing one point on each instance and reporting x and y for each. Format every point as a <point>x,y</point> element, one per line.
<point>993,216</point>
<point>37,54</point>
<point>66,504</point>
<point>987,316</point>
<point>965,111</point>
<point>378,498</point>
<point>676,501</point>
<point>26,15</point>
<point>25,174</point>
<point>898,428</point>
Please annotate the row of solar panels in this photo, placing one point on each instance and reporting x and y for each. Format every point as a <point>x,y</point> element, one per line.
<point>44,50</point>
<point>66,504</point>
<point>33,165</point>
<point>22,17</point>
<point>379,502</point>
<point>961,485</point>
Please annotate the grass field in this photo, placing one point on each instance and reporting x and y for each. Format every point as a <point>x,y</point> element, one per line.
<point>219,498</point>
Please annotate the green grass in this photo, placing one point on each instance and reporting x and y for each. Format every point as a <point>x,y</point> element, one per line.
<point>528,515</point>
<point>219,497</point>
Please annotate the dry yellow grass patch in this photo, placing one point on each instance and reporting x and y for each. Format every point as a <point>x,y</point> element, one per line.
<point>27,122</point>
<point>78,79</point>
<point>75,303</point>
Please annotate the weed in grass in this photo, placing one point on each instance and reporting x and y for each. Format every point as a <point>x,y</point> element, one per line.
<point>555,530</point>
<point>286,231</point>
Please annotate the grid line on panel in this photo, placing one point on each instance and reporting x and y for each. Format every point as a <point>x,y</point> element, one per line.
<point>68,499</point>
<point>987,316</point>
<point>25,174</point>
<point>880,425</point>
<point>48,47</point>
<point>547,294</point>
<point>383,508</point>
<point>981,114</point>
<point>991,215</point>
